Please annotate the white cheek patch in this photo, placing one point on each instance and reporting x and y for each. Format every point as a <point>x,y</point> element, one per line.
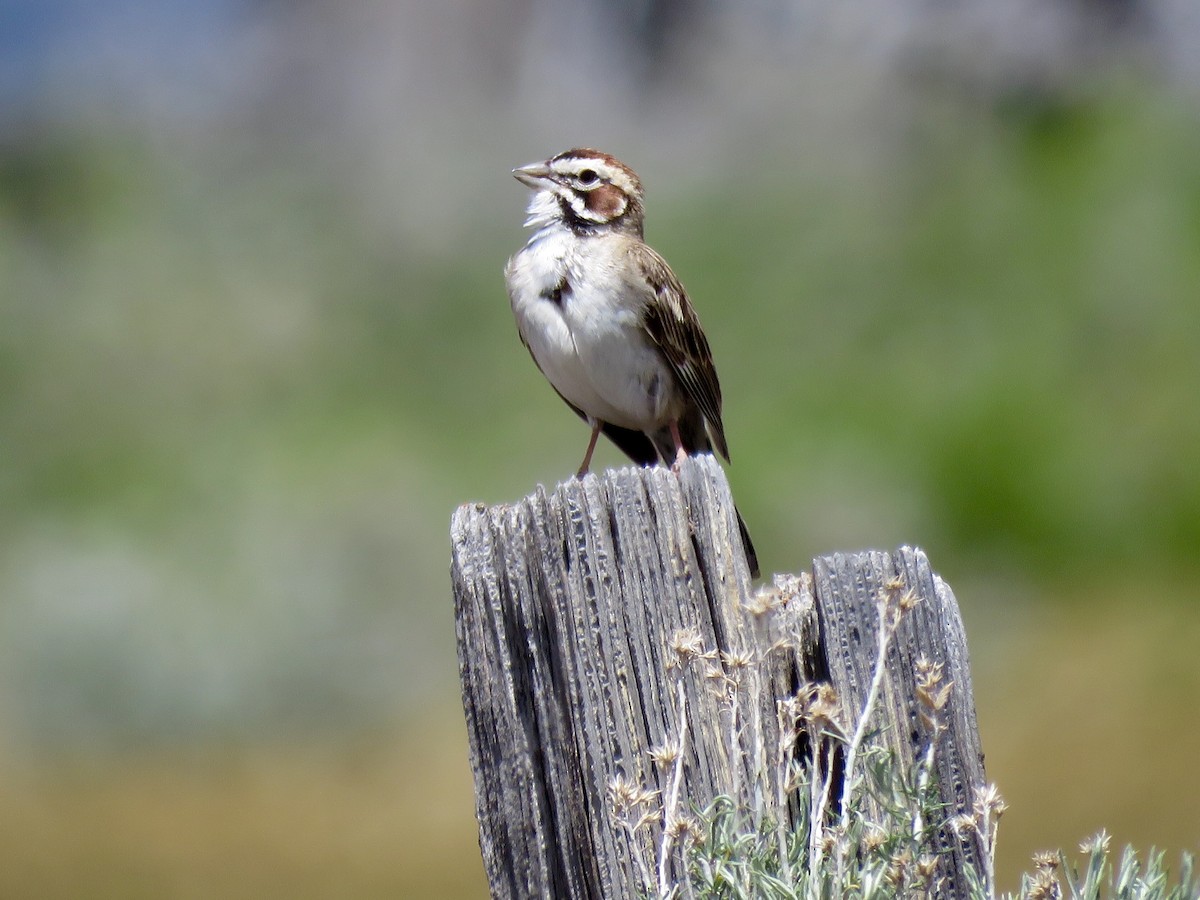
<point>579,205</point>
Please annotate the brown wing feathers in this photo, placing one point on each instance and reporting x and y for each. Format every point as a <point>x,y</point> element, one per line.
<point>675,329</point>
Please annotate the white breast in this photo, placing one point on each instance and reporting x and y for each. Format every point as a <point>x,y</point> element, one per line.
<point>589,343</point>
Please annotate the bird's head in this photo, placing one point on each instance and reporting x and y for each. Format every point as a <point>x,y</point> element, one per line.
<point>584,189</point>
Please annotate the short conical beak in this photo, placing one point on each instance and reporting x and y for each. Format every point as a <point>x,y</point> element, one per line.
<point>534,175</point>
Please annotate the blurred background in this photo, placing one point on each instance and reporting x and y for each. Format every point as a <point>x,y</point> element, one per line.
<point>255,348</point>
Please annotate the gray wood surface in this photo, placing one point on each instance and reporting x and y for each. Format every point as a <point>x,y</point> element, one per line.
<point>571,610</point>
<point>846,586</point>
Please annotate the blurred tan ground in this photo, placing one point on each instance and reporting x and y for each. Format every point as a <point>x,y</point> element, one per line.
<point>389,816</point>
<point>1092,721</point>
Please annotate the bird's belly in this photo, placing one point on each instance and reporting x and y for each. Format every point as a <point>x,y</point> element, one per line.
<point>599,360</point>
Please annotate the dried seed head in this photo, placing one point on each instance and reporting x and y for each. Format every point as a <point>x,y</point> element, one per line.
<point>897,870</point>
<point>962,824</point>
<point>789,710</point>
<point>665,753</point>
<point>684,827</point>
<point>823,707</point>
<point>687,645</point>
<point>874,838</point>
<point>932,694</point>
<point>1044,888</point>
<point>737,659</point>
<point>989,803</point>
<point>1046,859</point>
<point>621,789</point>
<point>624,796</point>
<point>1098,843</point>
<point>766,599</point>
<point>928,671</point>
<point>936,700</point>
<point>926,866</point>
<point>1044,884</point>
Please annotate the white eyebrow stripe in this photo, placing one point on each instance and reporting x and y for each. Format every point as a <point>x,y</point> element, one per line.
<point>615,174</point>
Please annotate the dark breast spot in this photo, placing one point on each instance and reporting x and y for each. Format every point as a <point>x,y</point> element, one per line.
<point>556,294</point>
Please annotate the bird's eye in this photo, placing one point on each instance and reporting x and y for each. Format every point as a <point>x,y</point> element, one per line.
<point>588,176</point>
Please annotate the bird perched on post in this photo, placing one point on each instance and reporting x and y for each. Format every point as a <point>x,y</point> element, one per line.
<point>606,320</point>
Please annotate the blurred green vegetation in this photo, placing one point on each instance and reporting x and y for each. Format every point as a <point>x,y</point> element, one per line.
<point>998,327</point>
<point>235,415</point>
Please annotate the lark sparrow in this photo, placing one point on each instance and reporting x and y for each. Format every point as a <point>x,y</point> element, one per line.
<point>606,320</point>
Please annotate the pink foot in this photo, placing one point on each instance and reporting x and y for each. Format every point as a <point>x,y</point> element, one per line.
<point>587,457</point>
<point>680,453</point>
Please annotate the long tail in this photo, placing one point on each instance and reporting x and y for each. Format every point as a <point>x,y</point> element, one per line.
<point>747,545</point>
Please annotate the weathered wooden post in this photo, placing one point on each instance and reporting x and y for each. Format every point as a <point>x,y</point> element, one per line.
<point>612,619</point>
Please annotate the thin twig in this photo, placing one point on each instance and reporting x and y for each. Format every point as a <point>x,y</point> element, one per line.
<point>672,803</point>
<point>887,627</point>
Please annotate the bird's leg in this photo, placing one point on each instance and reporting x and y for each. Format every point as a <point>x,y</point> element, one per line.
<point>680,453</point>
<point>587,457</point>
